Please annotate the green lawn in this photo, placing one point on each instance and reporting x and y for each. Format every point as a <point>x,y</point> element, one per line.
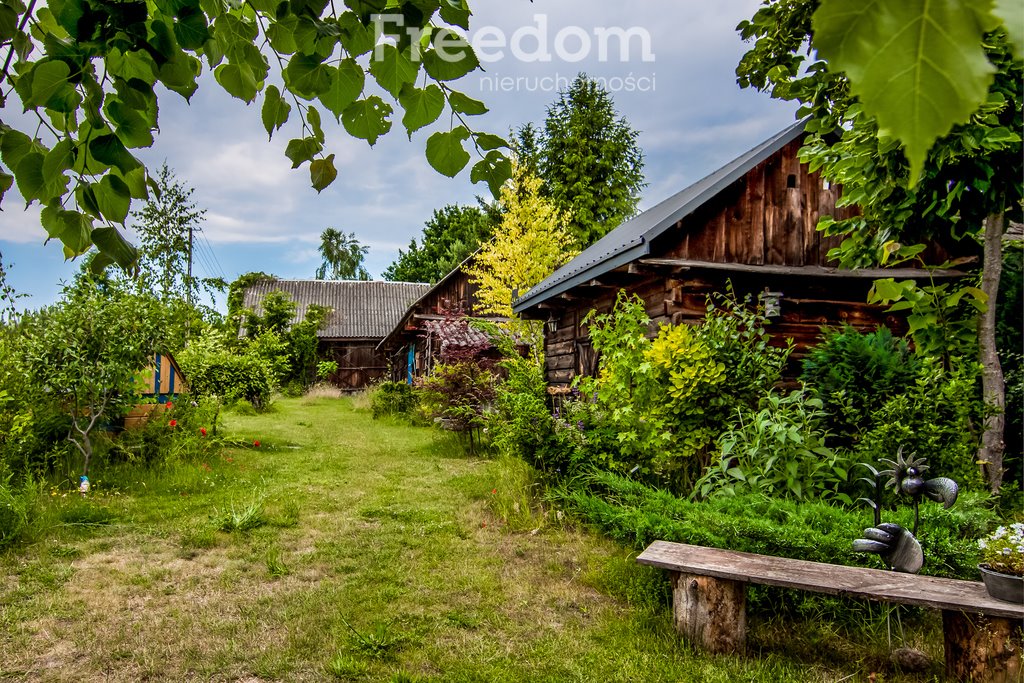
<point>342,548</point>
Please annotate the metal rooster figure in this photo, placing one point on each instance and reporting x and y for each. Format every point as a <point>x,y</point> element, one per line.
<point>898,547</point>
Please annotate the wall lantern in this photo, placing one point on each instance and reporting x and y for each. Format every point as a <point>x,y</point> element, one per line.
<point>772,302</point>
<point>551,323</point>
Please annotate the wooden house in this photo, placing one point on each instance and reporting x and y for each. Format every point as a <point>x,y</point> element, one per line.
<point>413,345</point>
<point>361,315</point>
<point>753,223</point>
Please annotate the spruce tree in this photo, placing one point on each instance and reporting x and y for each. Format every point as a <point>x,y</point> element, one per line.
<point>589,160</point>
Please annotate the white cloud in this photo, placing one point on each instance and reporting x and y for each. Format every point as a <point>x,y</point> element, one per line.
<point>18,224</point>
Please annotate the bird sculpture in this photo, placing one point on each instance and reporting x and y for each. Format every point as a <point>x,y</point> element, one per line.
<point>895,545</point>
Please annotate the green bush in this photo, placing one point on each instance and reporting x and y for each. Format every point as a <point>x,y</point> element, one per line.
<point>637,515</point>
<point>939,418</point>
<point>779,450</point>
<point>521,425</point>
<point>213,370</point>
<point>659,405</point>
<point>856,373</point>
<point>393,399</point>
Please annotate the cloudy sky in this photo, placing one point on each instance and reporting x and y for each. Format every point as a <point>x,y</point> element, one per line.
<point>677,88</point>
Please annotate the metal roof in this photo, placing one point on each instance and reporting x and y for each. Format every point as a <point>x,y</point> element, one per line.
<point>360,310</point>
<point>632,239</point>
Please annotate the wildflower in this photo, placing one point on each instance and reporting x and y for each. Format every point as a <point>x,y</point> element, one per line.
<point>256,443</point>
<point>170,406</point>
<point>173,423</point>
<point>494,490</point>
<point>202,431</point>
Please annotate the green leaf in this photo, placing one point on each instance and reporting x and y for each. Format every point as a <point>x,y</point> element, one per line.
<point>736,473</point>
<point>281,35</point>
<point>313,119</point>
<point>392,69</point>
<point>136,182</point>
<point>85,196</point>
<point>307,76</point>
<point>108,149</point>
<point>72,228</point>
<point>487,141</point>
<point>237,80</point>
<point>6,181</point>
<point>451,58</point>
<point>301,150</point>
<point>367,119</point>
<point>275,110</point>
<point>347,81</point>
<point>8,23</point>
<point>1012,16</point>
<point>114,198</point>
<point>422,107</point>
<point>917,66</point>
<point>191,29</point>
<point>48,79</point>
<point>112,243</point>
<point>14,146</point>
<point>446,153</point>
<point>29,174</point>
<point>130,127</point>
<point>456,13</point>
<point>494,169</point>
<point>356,38</point>
<point>322,173</point>
<point>465,104</point>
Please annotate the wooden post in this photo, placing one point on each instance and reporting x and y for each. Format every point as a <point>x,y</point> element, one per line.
<point>982,649</point>
<point>711,613</point>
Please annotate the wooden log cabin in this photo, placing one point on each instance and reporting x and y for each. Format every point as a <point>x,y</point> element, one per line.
<point>412,347</point>
<point>753,223</point>
<point>362,314</point>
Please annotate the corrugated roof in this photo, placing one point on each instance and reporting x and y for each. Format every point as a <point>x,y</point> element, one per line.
<point>632,239</point>
<point>360,310</point>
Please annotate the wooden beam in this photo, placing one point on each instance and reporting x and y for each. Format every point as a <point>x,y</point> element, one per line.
<point>809,271</point>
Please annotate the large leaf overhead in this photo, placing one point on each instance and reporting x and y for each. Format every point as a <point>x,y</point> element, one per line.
<point>93,73</point>
<point>918,66</point>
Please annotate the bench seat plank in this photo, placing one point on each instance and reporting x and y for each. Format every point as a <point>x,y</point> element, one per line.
<point>877,584</point>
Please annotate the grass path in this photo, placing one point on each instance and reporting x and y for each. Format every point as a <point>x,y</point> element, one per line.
<point>375,554</point>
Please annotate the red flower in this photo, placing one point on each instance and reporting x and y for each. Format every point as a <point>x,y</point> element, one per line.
<point>256,443</point>
<point>169,405</point>
<point>173,423</point>
<point>494,490</point>
<point>202,430</point>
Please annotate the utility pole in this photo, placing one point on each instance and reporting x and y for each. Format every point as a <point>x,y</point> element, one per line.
<point>188,281</point>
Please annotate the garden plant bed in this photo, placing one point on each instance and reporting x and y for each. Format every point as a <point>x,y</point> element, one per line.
<point>373,553</point>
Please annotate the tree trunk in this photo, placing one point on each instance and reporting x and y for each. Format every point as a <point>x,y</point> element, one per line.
<point>990,455</point>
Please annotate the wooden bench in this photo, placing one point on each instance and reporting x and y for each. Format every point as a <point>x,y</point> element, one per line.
<point>983,640</point>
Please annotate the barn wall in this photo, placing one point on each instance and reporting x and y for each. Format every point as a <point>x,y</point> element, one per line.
<point>359,363</point>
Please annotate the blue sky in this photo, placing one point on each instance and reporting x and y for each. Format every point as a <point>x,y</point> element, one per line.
<point>262,215</point>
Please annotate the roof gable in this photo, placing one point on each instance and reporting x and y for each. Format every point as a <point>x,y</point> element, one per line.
<point>359,310</point>
<point>632,239</point>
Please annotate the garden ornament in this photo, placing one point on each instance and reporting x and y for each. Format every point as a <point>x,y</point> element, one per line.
<point>898,547</point>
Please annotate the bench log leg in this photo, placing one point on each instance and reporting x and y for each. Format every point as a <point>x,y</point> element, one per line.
<point>982,649</point>
<point>711,613</point>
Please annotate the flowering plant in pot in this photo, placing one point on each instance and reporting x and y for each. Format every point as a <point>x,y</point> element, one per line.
<point>1002,568</point>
